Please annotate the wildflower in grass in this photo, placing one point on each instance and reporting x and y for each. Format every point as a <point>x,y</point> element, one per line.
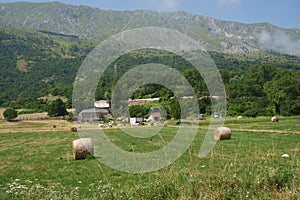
<point>21,187</point>
<point>285,155</point>
<point>247,195</point>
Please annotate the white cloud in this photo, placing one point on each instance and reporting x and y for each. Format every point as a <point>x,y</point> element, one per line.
<point>279,41</point>
<point>226,2</point>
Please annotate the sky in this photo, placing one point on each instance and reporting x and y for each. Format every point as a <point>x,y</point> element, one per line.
<point>283,13</point>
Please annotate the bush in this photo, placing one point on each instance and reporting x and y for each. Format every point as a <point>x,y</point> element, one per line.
<point>57,108</point>
<point>10,114</point>
<point>251,113</point>
<point>70,117</point>
<point>139,111</point>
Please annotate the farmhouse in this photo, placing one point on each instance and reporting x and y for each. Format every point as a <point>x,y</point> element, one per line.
<point>155,116</point>
<point>103,104</point>
<point>93,115</point>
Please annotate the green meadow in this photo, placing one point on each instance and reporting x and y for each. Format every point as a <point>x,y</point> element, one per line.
<point>39,164</point>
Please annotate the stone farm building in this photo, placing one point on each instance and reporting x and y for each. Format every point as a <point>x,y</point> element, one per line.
<point>93,115</point>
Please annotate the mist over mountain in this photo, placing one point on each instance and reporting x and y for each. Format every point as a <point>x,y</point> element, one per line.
<point>96,24</point>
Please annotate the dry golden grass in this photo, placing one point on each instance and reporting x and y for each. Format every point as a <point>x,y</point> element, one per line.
<point>1,113</point>
<point>35,126</point>
<point>32,116</point>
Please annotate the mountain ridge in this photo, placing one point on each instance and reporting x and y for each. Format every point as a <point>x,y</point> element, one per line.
<point>97,24</point>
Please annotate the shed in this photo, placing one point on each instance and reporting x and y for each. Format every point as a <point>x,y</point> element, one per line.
<point>93,114</point>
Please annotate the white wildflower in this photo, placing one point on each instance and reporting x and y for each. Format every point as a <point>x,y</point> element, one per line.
<point>285,155</point>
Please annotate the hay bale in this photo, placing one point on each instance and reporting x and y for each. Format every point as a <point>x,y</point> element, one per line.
<point>73,129</point>
<point>239,117</point>
<point>82,147</point>
<point>89,145</point>
<point>222,133</point>
<point>274,119</point>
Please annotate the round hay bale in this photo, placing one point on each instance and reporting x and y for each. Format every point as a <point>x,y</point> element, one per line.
<point>89,145</point>
<point>239,117</point>
<point>79,150</point>
<point>274,119</point>
<point>222,133</point>
<point>82,147</point>
<point>73,129</point>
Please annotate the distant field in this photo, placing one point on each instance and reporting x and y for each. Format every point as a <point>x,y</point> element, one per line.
<point>1,113</point>
<point>34,126</point>
<point>37,163</point>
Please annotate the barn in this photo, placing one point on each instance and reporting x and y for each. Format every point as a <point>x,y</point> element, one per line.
<point>93,115</point>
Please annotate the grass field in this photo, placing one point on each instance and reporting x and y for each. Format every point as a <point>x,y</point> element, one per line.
<point>37,163</point>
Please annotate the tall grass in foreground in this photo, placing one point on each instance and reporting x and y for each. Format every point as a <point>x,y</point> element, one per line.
<point>249,166</point>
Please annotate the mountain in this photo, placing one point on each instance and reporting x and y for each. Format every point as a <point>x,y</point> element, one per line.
<point>96,24</point>
<point>42,46</point>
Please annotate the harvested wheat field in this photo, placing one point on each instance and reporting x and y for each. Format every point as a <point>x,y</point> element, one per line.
<point>34,126</point>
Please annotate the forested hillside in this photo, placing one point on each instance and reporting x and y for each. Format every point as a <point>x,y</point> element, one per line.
<point>35,64</point>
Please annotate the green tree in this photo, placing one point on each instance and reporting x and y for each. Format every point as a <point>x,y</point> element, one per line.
<point>139,111</point>
<point>57,108</point>
<point>175,109</point>
<point>284,92</point>
<point>70,117</point>
<point>10,114</point>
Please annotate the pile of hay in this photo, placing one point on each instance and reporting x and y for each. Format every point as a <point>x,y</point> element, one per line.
<point>82,147</point>
<point>222,133</point>
<point>274,119</point>
<point>73,129</point>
